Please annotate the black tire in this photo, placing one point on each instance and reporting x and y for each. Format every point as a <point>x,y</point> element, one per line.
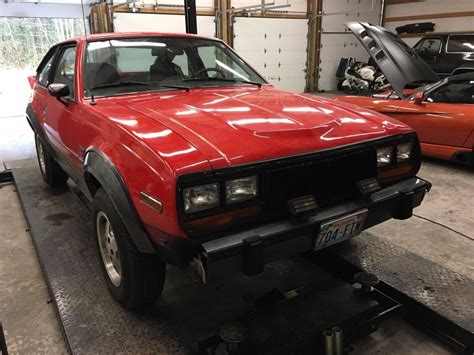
<point>349,90</point>
<point>339,85</point>
<point>142,276</point>
<point>51,172</point>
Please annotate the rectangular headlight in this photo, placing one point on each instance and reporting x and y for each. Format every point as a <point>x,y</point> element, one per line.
<point>242,189</point>
<point>384,156</point>
<point>200,198</point>
<point>404,151</point>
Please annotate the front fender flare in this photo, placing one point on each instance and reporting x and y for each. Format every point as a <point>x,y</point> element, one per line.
<point>98,165</point>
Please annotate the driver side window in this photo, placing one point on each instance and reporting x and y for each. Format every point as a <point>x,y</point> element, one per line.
<point>430,46</point>
<point>458,92</point>
<point>65,68</point>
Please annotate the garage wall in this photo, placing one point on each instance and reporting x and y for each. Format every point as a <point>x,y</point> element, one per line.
<point>275,47</point>
<point>136,22</point>
<point>336,42</point>
<point>431,11</point>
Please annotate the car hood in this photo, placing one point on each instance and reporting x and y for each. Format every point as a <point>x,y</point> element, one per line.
<point>242,125</point>
<point>398,62</point>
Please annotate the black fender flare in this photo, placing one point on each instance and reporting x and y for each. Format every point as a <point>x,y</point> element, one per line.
<point>100,167</point>
<point>38,130</point>
<point>31,118</point>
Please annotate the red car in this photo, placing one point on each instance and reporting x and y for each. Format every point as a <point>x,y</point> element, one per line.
<point>442,113</point>
<point>191,158</point>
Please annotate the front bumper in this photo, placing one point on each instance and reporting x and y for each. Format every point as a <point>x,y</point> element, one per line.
<point>250,250</point>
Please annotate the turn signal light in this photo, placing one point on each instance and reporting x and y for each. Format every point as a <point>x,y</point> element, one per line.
<point>224,219</point>
<point>392,173</point>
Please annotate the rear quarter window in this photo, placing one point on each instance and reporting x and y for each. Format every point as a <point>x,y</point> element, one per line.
<point>461,44</point>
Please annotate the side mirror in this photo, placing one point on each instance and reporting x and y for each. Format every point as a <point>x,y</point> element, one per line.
<point>58,90</point>
<point>418,98</point>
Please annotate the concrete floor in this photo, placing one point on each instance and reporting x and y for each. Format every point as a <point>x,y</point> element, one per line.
<point>441,231</point>
<point>28,318</point>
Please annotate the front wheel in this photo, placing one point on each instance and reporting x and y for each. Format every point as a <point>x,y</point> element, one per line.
<point>51,172</point>
<point>133,279</point>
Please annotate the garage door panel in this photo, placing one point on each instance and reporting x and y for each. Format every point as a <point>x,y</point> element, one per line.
<point>275,47</point>
<point>296,5</point>
<point>348,5</point>
<point>336,23</point>
<point>336,45</point>
<point>199,4</point>
<point>333,48</point>
<point>133,22</point>
<point>288,83</point>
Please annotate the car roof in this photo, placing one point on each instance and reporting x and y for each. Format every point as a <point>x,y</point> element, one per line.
<point>115,35</point>
<point>445,35</point>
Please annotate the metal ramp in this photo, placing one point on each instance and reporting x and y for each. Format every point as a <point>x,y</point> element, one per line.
<point>188,316</point>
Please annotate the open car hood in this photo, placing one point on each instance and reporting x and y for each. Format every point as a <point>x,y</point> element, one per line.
<point>397,61</point>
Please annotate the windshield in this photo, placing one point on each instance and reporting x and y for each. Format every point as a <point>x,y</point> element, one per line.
<point>121,66</point>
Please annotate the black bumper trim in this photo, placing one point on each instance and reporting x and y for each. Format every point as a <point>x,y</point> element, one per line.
<point>290,237</point>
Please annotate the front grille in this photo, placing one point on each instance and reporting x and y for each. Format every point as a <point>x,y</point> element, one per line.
<point>330,181</point>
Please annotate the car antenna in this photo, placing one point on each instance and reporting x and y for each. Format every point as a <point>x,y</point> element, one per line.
<point>92,102</point>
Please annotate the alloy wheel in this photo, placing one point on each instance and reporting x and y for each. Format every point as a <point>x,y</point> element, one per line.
<point>108,249</point>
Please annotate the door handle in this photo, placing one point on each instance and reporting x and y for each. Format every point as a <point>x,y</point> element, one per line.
<point>45,110</point>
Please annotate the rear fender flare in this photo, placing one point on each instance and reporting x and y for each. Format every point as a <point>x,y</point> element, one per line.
<point>39,131</point>
<point>99,166</point>
<point>31,118</point>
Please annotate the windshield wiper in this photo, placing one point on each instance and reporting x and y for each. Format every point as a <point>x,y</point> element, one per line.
<point>141,83</point>
<point>225,79</point>
<point>179,87</point>
<point>121,83</point>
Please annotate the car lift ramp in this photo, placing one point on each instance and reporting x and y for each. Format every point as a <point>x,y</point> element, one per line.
<point>283,310</point>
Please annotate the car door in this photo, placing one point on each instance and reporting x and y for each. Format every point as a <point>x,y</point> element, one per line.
<point>445,116</point>
<point>61,118</point>
<point>429,49</point>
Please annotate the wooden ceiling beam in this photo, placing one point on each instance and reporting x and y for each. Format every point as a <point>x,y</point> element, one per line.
<point>430,16</point>
<point>396,2</point>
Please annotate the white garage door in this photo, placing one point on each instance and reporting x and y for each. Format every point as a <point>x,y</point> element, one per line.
<point>133,22</point>
<point>336,43</point>
<point>276,48</point>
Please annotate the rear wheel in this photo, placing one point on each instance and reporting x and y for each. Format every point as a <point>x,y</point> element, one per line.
<point>52,173</point>
<point>133,279</point>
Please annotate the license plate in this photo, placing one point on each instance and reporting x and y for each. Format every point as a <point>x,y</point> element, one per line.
<point>340,229</point>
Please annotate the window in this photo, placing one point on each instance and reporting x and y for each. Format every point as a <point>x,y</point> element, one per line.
<point>127,65</point>
<point>430,45</point>
<point>134,60</point>
<point>44,72</point>
<point>215,59</point>
<point>181,60</point>
<point>458,92</point>
<point>461,44</point>
<point>64,72</point>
